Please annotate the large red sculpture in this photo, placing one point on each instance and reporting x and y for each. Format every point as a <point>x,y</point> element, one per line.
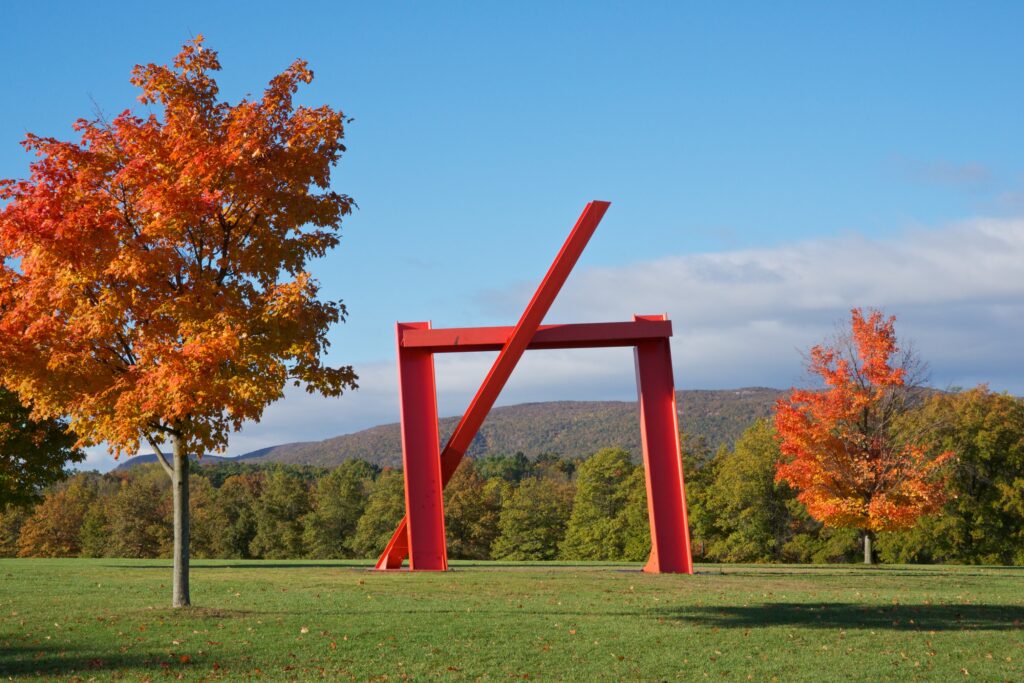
<point>420,535</point>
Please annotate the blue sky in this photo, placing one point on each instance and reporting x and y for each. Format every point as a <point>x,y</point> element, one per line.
<point>769,167</point>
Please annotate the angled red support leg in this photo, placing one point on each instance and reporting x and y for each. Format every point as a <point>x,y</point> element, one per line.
<point>659,431</point>
<point>508,357</point>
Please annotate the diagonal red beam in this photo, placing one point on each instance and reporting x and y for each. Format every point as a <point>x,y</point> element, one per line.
<point>398,547</point>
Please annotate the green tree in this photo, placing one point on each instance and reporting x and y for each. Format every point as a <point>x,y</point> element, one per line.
<point>206,526</point>
<point>754,517</point>
<point>139,516</point>
<point>340,499</point>
<point>635,519</point>
<point>472,508</point>
<point>95,534</point>
<point>279,513</point>
<point>235,505</point>
<point>511,468</point>
<point>825,545</point>
<point>533,520</point>
<point>983,518</point>
<point>738,513</point>
<point>385,508</point>
<point>33,453</point>
<point>597,526</point>
<point>553,465</point>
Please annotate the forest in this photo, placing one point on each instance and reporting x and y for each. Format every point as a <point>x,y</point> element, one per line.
<point>509,507</point>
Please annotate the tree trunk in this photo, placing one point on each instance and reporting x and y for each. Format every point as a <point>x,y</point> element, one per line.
<point>868,558</point>
<point>179,481</point>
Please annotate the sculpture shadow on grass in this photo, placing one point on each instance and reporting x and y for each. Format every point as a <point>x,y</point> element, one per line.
<point>903,617</point>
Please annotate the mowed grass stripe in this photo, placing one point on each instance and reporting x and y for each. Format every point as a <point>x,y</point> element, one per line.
<point>107,619</point>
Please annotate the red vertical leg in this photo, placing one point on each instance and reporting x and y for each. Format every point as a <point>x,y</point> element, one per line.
<point>421,459</point>
<point>659,431</point>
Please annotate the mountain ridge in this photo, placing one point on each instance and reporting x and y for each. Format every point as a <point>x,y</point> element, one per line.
<point>568,428</point>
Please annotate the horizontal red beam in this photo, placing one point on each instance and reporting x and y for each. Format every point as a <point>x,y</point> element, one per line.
<point>576,336</point>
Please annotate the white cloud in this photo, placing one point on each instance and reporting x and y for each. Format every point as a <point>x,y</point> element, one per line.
<point>957,292</point>
<point>741,318</point>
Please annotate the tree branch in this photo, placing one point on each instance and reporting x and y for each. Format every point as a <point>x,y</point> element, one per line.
<point>160,456</point>
<point>165,429</point>
<point>225,227</point>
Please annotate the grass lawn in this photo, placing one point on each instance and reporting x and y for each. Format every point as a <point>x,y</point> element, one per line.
<point>277,620</point>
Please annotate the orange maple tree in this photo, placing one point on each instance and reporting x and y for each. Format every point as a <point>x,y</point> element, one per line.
<point>842,446</point>
<point>156,286</point>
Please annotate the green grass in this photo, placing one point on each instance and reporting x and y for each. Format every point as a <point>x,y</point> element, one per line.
<point>108,619</point>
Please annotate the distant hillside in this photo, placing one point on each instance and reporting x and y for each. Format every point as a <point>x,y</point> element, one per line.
<point>149,458</point>
<point>569,428</point>
<point>267,453</point>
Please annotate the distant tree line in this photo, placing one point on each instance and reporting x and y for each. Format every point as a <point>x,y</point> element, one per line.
<point>512,508</point>
<point>740,512</point>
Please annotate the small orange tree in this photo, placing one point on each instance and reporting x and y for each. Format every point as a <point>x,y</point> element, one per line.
<point>842,447</point>
<point>155,286</point>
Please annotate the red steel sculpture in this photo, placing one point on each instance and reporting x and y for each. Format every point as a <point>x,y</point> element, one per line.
<point>420,535</point>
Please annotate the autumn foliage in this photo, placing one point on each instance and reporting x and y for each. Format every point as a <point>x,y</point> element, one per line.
<point>159,290</point>
<point>161,287</point>
<point>842,446</point>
